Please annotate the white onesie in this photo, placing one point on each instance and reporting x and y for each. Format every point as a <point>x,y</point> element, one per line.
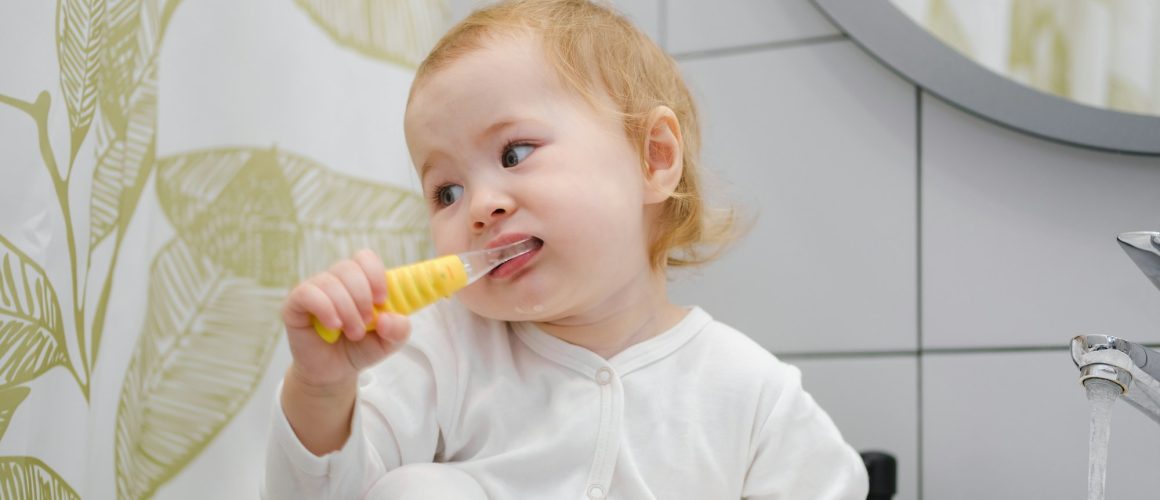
<point>698,412</point>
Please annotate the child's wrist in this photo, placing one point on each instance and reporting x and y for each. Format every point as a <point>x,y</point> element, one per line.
<point>319,414</point>
<point>302,383</point>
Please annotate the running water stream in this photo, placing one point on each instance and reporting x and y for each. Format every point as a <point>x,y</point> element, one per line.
<point>1101,394</point>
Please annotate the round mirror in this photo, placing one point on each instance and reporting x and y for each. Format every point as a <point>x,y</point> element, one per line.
<point>1082,72</point>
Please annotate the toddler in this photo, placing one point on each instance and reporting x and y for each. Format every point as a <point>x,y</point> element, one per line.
<point>566,373</point>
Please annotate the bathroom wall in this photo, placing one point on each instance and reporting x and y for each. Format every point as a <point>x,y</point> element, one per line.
<point>924,268</point>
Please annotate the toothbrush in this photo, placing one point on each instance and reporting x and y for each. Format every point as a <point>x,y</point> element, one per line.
<point>415,286</point>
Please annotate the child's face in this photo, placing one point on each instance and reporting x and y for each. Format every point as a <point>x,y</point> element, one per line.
<point>504,151</point>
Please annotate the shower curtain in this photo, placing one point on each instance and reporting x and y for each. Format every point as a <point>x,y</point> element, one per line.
<point>168,170</point>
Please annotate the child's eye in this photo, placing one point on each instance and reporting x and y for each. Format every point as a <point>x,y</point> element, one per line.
<point>515,153</point>
<point>447,194</point>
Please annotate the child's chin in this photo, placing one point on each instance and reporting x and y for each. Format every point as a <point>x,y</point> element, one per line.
<point>507,311</point>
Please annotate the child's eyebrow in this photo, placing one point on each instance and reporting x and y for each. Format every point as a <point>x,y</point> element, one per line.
<point>480,139</point>
<point>423,171</point>
<point>495,128</point>
<point>426,166</point>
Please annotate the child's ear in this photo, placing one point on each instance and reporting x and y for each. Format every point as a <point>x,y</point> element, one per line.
<point>664,151</point>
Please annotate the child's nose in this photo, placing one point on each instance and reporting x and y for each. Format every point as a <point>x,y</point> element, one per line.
<point>488,208</point>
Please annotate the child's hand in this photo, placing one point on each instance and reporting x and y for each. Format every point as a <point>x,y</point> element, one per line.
<point>342,298</point>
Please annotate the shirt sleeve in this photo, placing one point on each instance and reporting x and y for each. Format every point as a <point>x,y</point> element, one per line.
<point>799,453</point>
<point>395,422</point>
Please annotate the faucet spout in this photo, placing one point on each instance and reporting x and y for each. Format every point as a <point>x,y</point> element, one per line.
<point>1133,367</point>
<point>1144,249</point>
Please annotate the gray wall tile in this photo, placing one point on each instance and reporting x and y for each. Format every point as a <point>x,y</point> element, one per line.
<point>1015,425</point>
<point>1018,237</point>
<point>818,140</point>
<point>698,25</point>
<point>644,13</point>
<point>874,402</point>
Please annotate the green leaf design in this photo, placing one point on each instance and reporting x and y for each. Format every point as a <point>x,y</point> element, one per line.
<point>27,478</point>
<point>1039,46</point>
<point>78,37</point>
<point>125,163</point>
<point>278,217</point>
<point>127,57</point>
<point>9,400</point>
<point>946,25</point>
<point>207,339</point>
<point>234,206</point>
<point>340,215</point>
<point>250,222</point>
<point>1129,96</point>
<point>31,328</point>
<point>395,31</point>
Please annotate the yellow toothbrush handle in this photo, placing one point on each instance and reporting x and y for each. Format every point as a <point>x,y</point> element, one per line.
<point>413,287</point>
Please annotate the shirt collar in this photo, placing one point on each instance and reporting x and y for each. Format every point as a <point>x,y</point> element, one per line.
<point>634,357</point>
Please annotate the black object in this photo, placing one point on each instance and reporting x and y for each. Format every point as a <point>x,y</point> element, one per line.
<point>883,472</point>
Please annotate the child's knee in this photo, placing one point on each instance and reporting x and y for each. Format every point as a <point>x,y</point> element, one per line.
<point>426,482</point>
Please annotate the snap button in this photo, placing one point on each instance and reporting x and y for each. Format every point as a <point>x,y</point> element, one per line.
<point>595,491</point>
<point>603,376</point>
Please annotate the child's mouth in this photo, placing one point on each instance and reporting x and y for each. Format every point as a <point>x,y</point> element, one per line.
<point>513,266</point>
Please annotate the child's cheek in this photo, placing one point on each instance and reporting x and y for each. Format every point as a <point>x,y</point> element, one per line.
<point>449,234</point>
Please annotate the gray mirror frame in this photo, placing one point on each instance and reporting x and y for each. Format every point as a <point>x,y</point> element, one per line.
<point>891,37</point>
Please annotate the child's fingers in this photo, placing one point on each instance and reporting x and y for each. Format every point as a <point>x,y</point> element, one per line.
<point>352,323</point>
<point>305,301</point>
<point>376,274</point>
<point>393,330</point>
<point>355,280</point>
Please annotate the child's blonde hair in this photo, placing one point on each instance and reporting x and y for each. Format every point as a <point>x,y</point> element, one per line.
<point>595,50</point>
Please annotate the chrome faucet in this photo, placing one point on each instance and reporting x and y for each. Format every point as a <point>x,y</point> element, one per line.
<point>1144,249</point>
<point>1131,366</point>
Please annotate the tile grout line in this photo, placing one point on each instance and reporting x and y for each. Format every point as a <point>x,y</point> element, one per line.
<point>918,280</point>
<point>759,47</point>
<point>923,353</point>
<point>928,352</point>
